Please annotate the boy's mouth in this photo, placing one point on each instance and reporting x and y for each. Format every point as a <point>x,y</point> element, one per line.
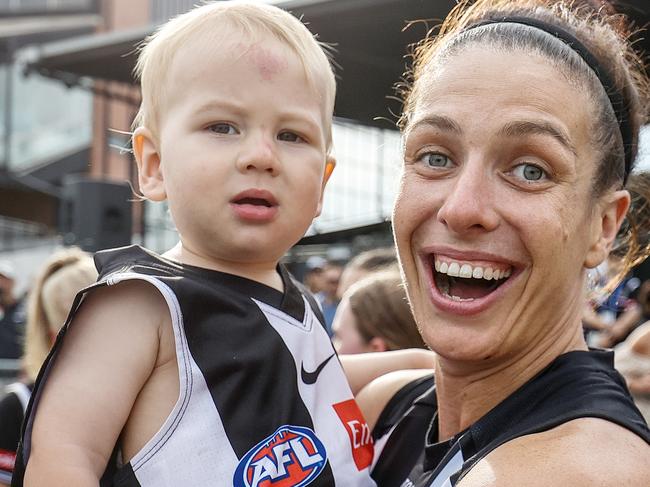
<point>465,281</point>
<point>255,197</point>
<point>255,206</point>
<point>253,201</point>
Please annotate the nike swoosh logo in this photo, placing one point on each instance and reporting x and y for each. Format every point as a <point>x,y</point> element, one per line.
<point>311,377</point>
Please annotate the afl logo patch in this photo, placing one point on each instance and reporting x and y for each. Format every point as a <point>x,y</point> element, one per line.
<point>293,456</point>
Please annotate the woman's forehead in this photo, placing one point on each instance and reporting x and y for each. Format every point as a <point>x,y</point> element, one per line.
<point>487,83</point>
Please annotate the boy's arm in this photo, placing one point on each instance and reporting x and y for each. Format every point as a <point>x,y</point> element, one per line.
<point>109,352</point>
<point>361,369</point>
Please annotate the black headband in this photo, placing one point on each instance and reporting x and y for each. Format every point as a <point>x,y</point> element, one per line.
<point>606,80</point>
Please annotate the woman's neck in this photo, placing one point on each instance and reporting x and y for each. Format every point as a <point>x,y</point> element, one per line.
<point>466,392</point>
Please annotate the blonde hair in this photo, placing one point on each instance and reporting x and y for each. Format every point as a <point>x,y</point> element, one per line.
<point>252,21</point>
<point>63,275</point>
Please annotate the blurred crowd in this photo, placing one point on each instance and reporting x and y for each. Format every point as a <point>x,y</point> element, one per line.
<point>620,319</point>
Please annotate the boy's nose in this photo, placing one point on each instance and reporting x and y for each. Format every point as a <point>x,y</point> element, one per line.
<point>258,154</point>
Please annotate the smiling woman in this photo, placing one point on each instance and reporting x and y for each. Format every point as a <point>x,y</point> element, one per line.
<point>520,130</point>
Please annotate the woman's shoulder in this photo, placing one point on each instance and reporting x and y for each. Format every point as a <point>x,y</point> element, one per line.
<point>582,452</point>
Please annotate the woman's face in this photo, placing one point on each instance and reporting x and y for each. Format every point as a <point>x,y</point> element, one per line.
<point>495,220</point>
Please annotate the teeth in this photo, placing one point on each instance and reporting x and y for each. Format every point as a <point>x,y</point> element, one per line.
<point>456,269</point>
<point>458,298</point>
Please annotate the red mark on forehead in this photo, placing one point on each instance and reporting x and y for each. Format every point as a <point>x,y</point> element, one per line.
<point>267,62</point>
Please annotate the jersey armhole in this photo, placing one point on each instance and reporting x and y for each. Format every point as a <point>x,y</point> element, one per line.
<point>400,403</point>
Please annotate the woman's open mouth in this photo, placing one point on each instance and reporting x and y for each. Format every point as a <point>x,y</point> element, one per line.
<point>462,284</point>
<point>465,282</point>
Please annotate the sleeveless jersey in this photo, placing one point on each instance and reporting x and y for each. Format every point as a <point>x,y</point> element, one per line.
<point>575,385</point>
<point>263,398</point>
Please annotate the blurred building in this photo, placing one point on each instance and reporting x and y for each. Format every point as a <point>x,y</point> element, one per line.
<point>67,99</point>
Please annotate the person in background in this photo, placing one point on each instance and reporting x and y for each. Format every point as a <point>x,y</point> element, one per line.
<point>374,316</point>
<point>327,298</point>
<point>313,277</point>
<point>61,277</point>
<point>12,314</point>
<point>365,263</point>
<point>632,359</point>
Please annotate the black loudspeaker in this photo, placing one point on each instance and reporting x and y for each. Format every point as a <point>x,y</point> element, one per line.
<point>95,214</point>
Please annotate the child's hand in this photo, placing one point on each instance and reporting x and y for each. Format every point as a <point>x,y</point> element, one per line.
<point>361,369</point>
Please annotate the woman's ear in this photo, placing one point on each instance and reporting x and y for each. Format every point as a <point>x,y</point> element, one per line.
<point>611,213</point>
<point>147,158</point>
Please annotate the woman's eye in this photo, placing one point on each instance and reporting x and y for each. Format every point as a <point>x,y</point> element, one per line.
<point>435,159</point>
<point>529,172</point>
<point>223,128</point>
<point>290,137</point>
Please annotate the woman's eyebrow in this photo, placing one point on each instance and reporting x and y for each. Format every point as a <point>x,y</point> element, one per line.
<point>440,122</point>
<point>522,128</point>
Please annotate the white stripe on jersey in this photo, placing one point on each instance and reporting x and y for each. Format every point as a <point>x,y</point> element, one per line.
<point>194,420</point>
<point>454,464</point>
<point>332,384</point>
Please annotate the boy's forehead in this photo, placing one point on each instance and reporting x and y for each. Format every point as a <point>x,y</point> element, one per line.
<point>262,50</point>
<point>196,59</point>
<point>268,62</point>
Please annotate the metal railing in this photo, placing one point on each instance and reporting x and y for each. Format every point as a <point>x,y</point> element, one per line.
<point>9,371</point>
<point>20,234</point>
<point>43,7</point>
<point>163,10</point>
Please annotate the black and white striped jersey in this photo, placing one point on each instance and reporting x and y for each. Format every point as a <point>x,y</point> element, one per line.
<point>263,399</point>
<point>575,385</point>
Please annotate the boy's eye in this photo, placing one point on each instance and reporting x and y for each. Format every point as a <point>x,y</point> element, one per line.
<point>290,137</point>
<point>529,172</point>
<point>223,128</point>
<point>436,159</point>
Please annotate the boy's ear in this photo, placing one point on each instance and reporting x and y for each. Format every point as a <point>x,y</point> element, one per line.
<point>147,158</point>
<point>330,164</point>
<point>606,223</point>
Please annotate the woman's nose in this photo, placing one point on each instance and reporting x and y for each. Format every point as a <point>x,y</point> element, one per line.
<point>469,204</point>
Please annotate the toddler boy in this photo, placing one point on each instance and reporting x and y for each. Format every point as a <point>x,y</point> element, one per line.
<point>208,365</point>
